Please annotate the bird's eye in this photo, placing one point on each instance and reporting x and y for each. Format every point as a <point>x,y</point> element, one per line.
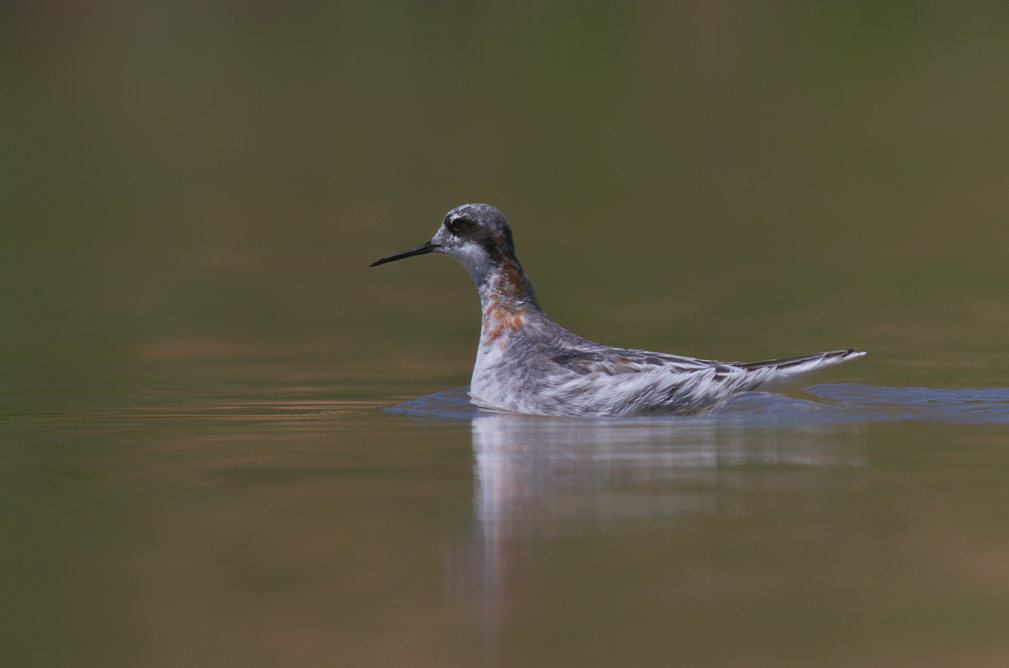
<point>457,225</point>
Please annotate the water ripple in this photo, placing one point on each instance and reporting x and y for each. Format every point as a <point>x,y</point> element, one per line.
<point>826,403</point>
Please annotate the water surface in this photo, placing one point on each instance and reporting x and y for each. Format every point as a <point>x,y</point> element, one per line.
<point>225,441</point>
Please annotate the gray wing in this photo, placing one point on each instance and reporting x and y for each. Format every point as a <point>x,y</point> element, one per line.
<point>596,358</point>
<point>767,374</point>
<point>621,381</point>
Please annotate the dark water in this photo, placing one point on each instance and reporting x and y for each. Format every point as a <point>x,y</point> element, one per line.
<point>279,525</point>
<point>225,441</point>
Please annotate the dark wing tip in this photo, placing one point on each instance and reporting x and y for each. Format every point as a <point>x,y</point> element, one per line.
<point>838,355</point>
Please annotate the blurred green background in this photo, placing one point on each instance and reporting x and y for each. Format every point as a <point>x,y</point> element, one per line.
<point>194,469</point>
<point>182,181</point>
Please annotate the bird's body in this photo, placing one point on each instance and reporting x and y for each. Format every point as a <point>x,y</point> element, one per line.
<point>527,363</point>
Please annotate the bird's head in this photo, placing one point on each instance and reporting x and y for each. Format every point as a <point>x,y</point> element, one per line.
<point>477,235</point>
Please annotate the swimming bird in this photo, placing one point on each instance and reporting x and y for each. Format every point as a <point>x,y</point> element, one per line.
<point>527,363</point>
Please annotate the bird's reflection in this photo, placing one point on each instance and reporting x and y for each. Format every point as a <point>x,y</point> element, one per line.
<point>539,474</point>
<point>537,477</point>
<point>759,454</point>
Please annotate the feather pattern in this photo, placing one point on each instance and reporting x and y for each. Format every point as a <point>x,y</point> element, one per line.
<point>527,363</point>
<point>543,369</point>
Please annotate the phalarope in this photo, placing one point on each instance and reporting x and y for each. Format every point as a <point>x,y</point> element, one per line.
<point>527,363</point>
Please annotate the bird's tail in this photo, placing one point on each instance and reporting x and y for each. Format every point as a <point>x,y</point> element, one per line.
<point>785,373</point>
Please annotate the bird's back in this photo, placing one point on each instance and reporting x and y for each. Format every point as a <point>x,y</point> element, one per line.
<point>541,368</point>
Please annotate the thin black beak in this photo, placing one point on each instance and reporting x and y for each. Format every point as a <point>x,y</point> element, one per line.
<point>419,250</point>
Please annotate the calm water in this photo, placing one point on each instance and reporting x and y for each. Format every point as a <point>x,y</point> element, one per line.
<point>225,441</point>
<point>281,525</point>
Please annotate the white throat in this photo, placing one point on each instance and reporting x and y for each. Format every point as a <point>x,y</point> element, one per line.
<point>476,261</point>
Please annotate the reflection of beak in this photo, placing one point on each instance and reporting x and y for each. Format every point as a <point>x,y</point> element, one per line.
<point>422,249</point>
